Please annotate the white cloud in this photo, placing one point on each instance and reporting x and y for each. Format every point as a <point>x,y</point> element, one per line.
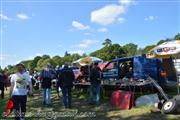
<point>107,15</point>
<point>80,52</point>
<point>102,29</point>
<point>126,2</point>
<point>150,18</point>
<point>4,17</point>
<point>110,13</point>
<point>22,16</point>
<point>86,43</point>
<point>79,26</point>
<point>121,20</point>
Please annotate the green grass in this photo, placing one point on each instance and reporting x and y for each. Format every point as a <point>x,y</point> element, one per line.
<point>82,110</point>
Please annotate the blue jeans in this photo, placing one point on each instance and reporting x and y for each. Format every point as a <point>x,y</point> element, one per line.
<point>91,91</point>
<point>47,96</point>
<point>19,106</point>
<point>66,96</point>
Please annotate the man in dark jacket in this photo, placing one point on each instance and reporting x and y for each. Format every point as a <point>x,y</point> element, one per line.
<point>46,76</point>
<point>95,81</point>
<point>65,80</point>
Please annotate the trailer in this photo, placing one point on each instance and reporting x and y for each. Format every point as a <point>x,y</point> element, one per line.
<point>134,71</point>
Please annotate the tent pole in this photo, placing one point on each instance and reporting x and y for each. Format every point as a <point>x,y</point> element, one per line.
<point>177,77</point>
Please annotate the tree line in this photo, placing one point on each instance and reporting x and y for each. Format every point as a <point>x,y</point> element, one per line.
<point>108,52</point>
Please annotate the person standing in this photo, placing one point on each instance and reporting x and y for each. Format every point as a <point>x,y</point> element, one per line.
<point>6,79</point>
<point>65,79</point>
<point>18,91</point>
<point>2,84</point>
<point>46,77</point>
<point>95,75</point>
<point>58,71</point>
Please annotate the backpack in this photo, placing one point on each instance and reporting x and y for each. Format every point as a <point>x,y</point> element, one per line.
<point>47,74</point>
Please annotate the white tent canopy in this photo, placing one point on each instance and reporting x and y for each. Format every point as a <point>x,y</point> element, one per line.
<point>88,60</point>
<point>166,49</point>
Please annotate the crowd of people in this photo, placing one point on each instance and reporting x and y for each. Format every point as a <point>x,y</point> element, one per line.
<point>24,82</point>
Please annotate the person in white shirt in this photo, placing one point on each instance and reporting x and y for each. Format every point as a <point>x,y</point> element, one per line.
<point>18,91</point>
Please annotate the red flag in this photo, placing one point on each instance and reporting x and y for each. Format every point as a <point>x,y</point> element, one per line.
<point>9,107</point>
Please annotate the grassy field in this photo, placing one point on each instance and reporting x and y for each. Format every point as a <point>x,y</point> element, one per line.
<point>82,111</point>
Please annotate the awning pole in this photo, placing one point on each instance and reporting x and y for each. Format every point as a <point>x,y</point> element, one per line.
<point>177,76</point>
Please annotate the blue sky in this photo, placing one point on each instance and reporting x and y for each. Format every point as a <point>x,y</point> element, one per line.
<point>36,27</point>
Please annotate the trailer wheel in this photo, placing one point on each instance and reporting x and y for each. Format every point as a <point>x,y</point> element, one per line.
<point>177,98</point>
<point>169,107</point>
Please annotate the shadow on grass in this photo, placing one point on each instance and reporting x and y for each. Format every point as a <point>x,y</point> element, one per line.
<point>82,111</point>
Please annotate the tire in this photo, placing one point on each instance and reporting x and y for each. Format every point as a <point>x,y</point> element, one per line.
<point>177,98</point>
<point>170,107</point>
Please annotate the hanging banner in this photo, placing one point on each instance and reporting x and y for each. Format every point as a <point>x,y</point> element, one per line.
<point>168,48</point>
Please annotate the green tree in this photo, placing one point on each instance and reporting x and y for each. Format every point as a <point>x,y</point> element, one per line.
<point>67,59</point>
<point>66,54</point>
<point>148,48</point>
<point>107,42</point>
<point>40,64</point>
<point>57,60</point>
<point>26,63</point>
<point>45,57</point>
<point>11,69</point>
<point>161,42</point>
<point>109,52</point>
<point>45,62</point>
<point>1,69</point>
<point>139,51</point>
<point>177,37</point>
<point>84,55</point>
<point>75,56</point>
<point>100,53</point>
<point>115,51</point>
<point>130,49</point>
<point>33,63</point>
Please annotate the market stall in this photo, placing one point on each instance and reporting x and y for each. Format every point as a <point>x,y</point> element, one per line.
<point>84,64</point>
<point>166,51</point>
